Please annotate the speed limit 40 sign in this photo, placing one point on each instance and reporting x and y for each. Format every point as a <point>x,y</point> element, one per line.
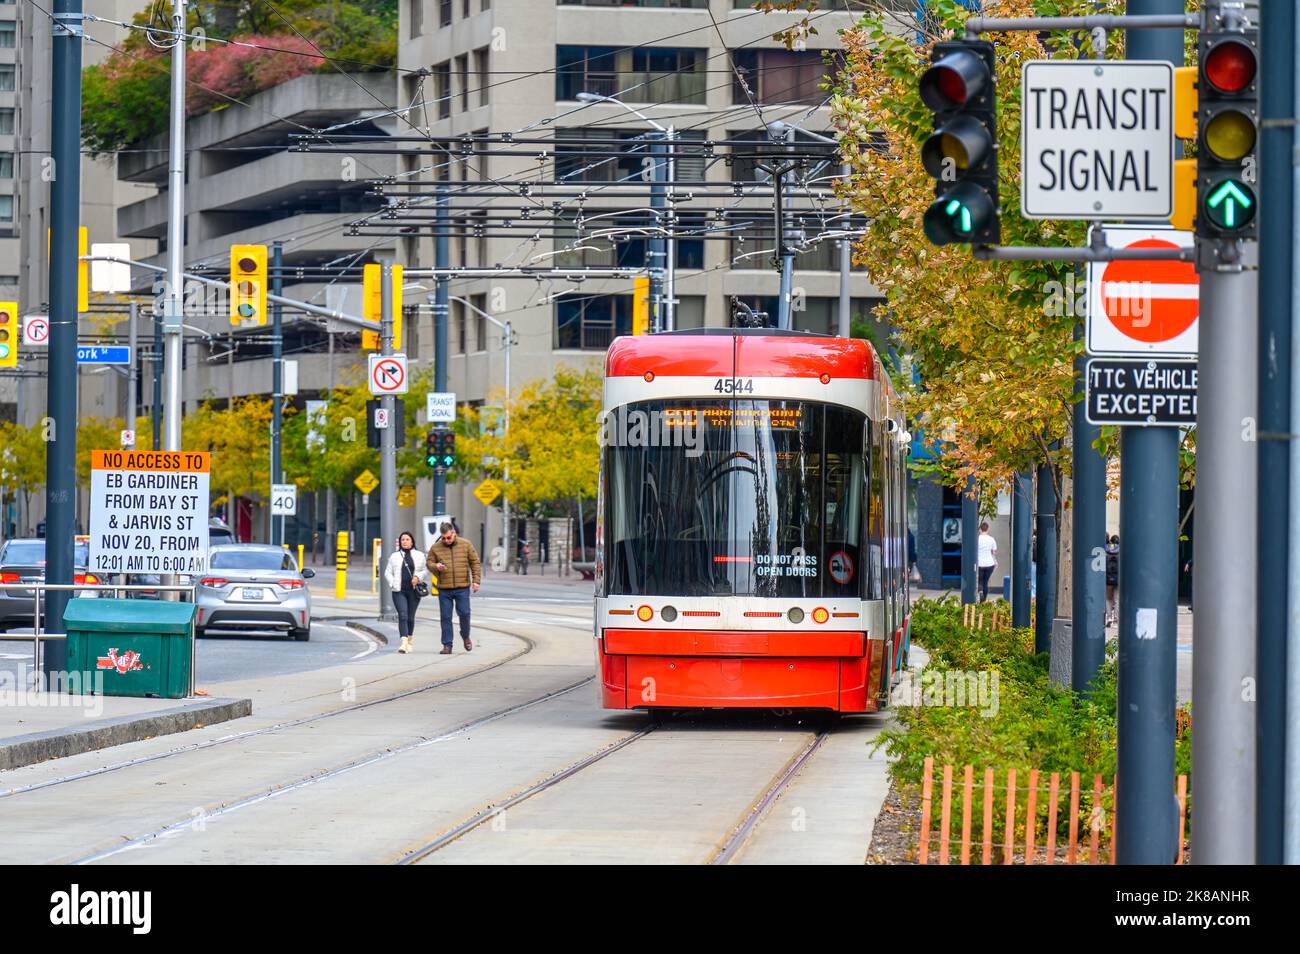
<point>284,500</point>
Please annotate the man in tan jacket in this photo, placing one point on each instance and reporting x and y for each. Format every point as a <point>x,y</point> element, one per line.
<point>455,563</point>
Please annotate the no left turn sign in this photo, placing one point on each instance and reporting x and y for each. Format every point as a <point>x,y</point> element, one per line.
<point>388,374</point>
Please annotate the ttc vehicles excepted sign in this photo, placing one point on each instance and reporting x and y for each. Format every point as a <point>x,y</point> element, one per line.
<point>1097,139</point>
<point>1142,392</point>
<point>149,511</point>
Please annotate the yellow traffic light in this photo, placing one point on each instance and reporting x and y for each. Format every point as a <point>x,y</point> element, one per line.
<point>372,305</point>
<point>247,284</point>
<point>1185,102</point>
<point>1184,195</point>
<point>8,334</point>
<point>83,267</point>
<point>640,306</point>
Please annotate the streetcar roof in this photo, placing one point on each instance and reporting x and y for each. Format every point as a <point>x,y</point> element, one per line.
<point>741,352</point>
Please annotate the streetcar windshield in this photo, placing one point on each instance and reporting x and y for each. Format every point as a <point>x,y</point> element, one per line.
<point>734,498</point>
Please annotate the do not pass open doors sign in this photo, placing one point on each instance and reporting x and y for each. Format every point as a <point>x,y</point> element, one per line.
<point>149,511</point>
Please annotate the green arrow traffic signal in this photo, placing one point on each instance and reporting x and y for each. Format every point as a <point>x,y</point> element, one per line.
<point>1231,204</point>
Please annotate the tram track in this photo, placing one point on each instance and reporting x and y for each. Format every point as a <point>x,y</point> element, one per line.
<point>529,646</point>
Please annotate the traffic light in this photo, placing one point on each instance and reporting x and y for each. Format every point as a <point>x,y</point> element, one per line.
<point>961,154</point>
<point>640,305</point>
<point>374,438</point>
<point>440,448</point>
<point>8,334</point>
<point>1228,120</point>
<point>247,284</point>
<point>372,306</point>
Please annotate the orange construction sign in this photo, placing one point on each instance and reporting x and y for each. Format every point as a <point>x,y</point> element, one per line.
<point>199,462</point>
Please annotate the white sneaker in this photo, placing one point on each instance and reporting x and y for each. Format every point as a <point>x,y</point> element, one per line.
<point>405,647</point>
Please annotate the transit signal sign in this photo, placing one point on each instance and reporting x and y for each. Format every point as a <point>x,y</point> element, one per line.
<point>1097,139</point>
<point>961,155</point>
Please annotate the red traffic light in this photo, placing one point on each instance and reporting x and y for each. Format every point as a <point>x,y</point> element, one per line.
<point>247,264</point>
<point>1230,66</point>
<point>954,81</point>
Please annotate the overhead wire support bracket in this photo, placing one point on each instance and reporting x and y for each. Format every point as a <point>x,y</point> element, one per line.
<point>1105,21</point>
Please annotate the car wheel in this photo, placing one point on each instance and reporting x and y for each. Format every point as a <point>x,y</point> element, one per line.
<point>302,635</point>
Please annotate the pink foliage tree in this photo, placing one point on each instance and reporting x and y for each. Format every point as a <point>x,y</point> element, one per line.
<point>234,71</point>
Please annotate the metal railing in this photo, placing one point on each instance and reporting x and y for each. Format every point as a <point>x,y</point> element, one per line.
<point>39,588</point>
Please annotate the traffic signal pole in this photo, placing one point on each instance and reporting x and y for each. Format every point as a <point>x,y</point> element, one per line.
<point>277,382</point>
<point>387,443</point>
<point>441,304</point>
<point>1088,528</point>
<point>1276,594</point>
<point>1022,517</point>
<point>65,204</point>
<point>1146,813</point>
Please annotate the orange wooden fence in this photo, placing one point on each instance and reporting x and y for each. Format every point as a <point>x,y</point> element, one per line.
<point>973,616</point>
<point>1029,852</point>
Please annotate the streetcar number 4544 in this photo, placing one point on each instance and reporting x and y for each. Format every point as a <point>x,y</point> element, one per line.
<point>734,385</point>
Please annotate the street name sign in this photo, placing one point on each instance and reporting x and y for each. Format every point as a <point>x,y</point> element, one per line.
<point>149,511</point>
<point>284,500</point>
<point>99,354</point>
<point>1097,139</point>
<point>1141,393</point>
<point>388,374</point>
<point>1139,308</point>
<point>440,407</point>
<point>36,330</point>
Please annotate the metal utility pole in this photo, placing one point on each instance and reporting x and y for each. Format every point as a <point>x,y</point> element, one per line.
<point>785,251</point>
<point>442,259</point>
<point>387,441</point>
<point>65,207</point>
<point>1277,557</point>
<point>133,369</point>
<point>174,304</point>
<point>1088,569</point>
<point>969,540</point>
<point>1022,517</point>
<point>1291,801</point>
<point>155,368</point>
<point>1045,548</point>
<point>1146,819</point>
<point>843,322</point>
<point>277,381</point>
<point>657,247</point>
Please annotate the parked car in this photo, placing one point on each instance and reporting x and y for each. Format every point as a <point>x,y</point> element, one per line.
<point>253,587</point>
<point>23,561</point>
<point>218,534</point>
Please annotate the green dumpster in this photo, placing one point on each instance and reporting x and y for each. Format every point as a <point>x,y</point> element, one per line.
<point>140,647</point>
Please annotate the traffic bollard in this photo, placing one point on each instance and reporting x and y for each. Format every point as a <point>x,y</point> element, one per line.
<point>341,567</point>
<point>300,552</point>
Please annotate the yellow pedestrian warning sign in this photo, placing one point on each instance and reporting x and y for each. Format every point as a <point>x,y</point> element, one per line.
<point>487,492</point>
<point>366,482</point>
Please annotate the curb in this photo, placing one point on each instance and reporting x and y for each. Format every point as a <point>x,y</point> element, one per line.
<point>58,743</point>
<point>367,629</point>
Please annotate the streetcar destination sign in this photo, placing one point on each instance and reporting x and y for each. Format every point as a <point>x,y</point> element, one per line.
<point>1097,138</point>
<point>1137,392</point>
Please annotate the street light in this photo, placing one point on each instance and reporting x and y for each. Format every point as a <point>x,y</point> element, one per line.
<point>664,250</point>
<point>507,335</point>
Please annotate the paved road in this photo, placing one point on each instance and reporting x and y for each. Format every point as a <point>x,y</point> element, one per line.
<point>497,755</point>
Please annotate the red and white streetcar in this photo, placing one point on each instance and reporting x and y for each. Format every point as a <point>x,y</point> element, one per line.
<point>751,538</point>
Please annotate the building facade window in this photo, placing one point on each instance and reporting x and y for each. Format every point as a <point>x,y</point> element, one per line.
<point>661,4</point>
<point>8,32</point>
<point>414,18</point>
<point>6,122</point>
<point>629,252</point>
<point>590,323</point>
<point>6,208</point>
<point>442,88</point>
<point>780,76</point>
<point>7,75</point>
<point>462,80</point>
<point>576,162</point>
<point>481,73</point>
<point>753,242</point>
<point>6,165</point>
<point>444,13</point>
<point>640,75</point>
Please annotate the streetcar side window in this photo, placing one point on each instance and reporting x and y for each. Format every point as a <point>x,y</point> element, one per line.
<point>875,513</point>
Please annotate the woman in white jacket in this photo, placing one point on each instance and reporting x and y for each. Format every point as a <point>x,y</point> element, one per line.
<point>404,570</point>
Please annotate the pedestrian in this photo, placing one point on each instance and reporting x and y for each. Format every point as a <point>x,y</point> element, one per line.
<point>524,552</point>
<point>1112,579</point>
<point>987,559</point>
<point>409,581</point>
<point>456,563</point>
<point>913,573</point>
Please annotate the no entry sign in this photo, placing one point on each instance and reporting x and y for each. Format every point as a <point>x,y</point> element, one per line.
<point>1138,307</point>
<point>1097,139</point>
<point>1142,392</point>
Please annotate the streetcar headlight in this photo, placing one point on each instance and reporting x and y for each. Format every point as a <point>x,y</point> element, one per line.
<point>644,614</point>
<point>795,615</point>
<point>668,614</point>
<point>821,615</point>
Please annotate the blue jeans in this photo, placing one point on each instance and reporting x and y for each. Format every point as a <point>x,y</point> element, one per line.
<point>459,599</point>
